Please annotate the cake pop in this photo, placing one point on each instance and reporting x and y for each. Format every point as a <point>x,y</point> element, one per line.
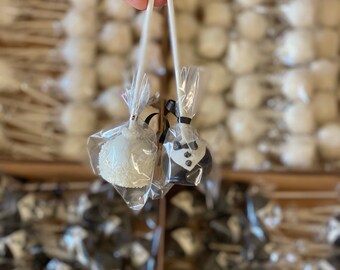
<point>327,43</point>
<point>219,78</point>
<point>187,54</point>
<point>296,47</point>
<point>252,25</point>
<point>328,138</point>
<point>249,158</point>
<point>325,107</point>
<point>328,13</point>
<point>299,118</point>
<point>108,76</point>
<point>187,27</point>
<point>218,14</point>
<point>116,37</point>
<point>325,75</point>
<point>187,5</point>
<point>118,10</point>
<point>300,13</point>
<point>249,3</point>
<point>212,42</point>
<point>156,29</point>
<point>243,57</point>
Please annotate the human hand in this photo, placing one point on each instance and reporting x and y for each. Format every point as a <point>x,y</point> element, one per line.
<point>142,4</point>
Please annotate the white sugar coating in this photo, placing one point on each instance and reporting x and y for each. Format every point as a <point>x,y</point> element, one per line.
<point>128,160</point>
<point>248,92</point>
<point>249,3</point>
<point>78,52</point>
<point>243,57</point>
<point>116,37</point>
<point>298,84</point>
<point>329,141</point>
<point>84,4</point>
<point>245,126</point>
<point>300,13</point>
<point>112,103</point>
<point>156,30</point>
<point>329,13</point>
<point>212,111</point>
<point>252,25</point>
<point>74,148</point>
<point>219,78</point>
<point>296,47</point>
<point>218,14</point>
<point>327,43</point>
<point>79,84</point>
<point>186,5</point>
<point>153,59</point>
<point>325,75</point>
<point>78,118</point>
<point>80,24</point>
<point>110,69</point>
<point>8,81</point>
<point>325,107</point>
<point>212,42</point>
<point>299,118</point>
<point>219,144</point>
<point>249,158</point>
<point>299,152</point>
<point>186,26</point>
<point>187,54</point>
<point>118,9</point>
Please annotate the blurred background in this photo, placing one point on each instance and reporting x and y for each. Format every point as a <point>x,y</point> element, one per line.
<point>269,112</point>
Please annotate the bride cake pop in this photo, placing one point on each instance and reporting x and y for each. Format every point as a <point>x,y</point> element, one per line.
<point>329,141</point>
<point>108,76</point>
<point>252,25</point>
<point>187,27</point>
<point>118,9</point>
<point>300,13</point>
<point>219,78</point>
<point>325,107</point>
<point>328,13</point>
<point>327,43</point>
<point>218,14</point>
<point>325,75</point>
<point>212,42</point>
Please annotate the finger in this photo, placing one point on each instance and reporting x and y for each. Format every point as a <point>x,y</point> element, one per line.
<point>160,3</point>
<point>138,4</point>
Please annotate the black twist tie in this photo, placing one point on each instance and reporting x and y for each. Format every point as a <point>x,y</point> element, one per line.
<point>184,120</point>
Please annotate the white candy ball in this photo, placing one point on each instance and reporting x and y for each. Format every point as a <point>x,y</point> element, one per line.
<point>243,57</point>
<point>112,103</point>
<point>79,52</point>
<point>79,119</point>
<point>219,78</point>
<point>249,3</point>
<point>299,118</point>
<point>325,107</point>
<point>80,24</point>
<point>187,27</point>
<point>219,144</point>
<point>299,152</point>
<point>116,37</point>
<point>156,28</point>
<point>248,92</point>
<point>118,9</point>
<point>300,13</point>
<point>252,25</point>
<point>79,84</point>
<point>325,75</point>
<point>186,5</point>
<point>296,47</point>
<point>74,148</point>
<point>327,43</point>
<point>249,158</point>
<point>329,13</point>
<point>212,111</point>
<point>110,70</point>
<point>187,54</point>
<point>84,4</point>
<point>298,84</point>
<point>212,42</point>
<point>218,14</point>
<point>246,127</point>
<point>329,141</point>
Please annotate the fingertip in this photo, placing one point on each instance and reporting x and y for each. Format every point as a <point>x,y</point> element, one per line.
<point>138,4</point>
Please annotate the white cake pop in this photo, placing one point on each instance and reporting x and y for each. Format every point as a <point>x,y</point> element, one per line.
<point>248,92</point>
<point>187,54</point>
<point>219,144</point>
<point>296,47</point>
<point>186,5</point>
<point>187,27</point>
<point>246,126</point>
<point>250,159</point>
<point>252,25</point>
<point>78,52</point>
<point>298,84</point>
<point>212,42</point>
<point>325,107</point>
<point>112,103</point>
<point>78,84</point>
<point>327,43</point>
<point>116,37</point>
<point>299,118</point>
<point>249,3</point>
<point>110,70</point>
<point>218,14</point>
<point>118,9</point>
<point>328,13</point>
<point>329,141</point>
<point>300,13</point>
<point>212,111</point>
<point>243,57</point>
<point>156,30</point>
<point>219,78</point>
<point>325,75</point>
<point>73,148</point>
<point>84,4</point>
